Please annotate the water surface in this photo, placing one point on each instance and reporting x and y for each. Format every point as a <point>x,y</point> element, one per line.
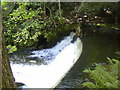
<point>55,63</point>
<point>96,49</point>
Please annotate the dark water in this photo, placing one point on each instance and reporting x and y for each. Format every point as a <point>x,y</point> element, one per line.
<point>96,49</point>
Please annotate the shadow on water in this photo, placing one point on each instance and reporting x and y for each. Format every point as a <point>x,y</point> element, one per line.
<point>20,57</point>
<point>96,49</point>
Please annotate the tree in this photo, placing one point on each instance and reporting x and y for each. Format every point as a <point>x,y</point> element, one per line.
<point>8,80</point>
<point>7,76</point>
<point>0,51</point>
<point>108,11</point>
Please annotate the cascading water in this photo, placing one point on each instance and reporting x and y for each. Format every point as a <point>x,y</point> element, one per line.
<point>50,54</point>
<point>62,57</point>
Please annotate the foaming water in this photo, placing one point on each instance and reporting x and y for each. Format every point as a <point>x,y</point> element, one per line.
<point>50,54</point>
<point>48,76</point>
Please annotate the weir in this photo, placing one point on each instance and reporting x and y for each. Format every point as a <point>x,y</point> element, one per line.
<point>62,57</point>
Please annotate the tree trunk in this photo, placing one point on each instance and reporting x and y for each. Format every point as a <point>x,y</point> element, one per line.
<point>8,80</point>
<point>7,76</point>
<point>0,50</point>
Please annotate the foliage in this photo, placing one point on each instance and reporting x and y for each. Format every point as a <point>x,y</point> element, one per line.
<point>102,77</point>
<point>94,12</point>
<point>96,8</point>
<point>118,53</point>
<point>11,48</point>
<point>22,26</point>
<point>24,22</point>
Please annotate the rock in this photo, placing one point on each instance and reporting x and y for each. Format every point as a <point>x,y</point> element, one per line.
<point>19,84</point>
<point>79,32</point>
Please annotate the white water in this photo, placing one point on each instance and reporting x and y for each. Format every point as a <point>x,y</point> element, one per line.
<point>50,54</point>
<point>48,76</point>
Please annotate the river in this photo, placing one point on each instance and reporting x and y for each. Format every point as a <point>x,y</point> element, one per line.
<point>96,49</point>
<point>54,63</point>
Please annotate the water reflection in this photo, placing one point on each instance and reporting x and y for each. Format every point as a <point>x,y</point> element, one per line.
<point>96,49</point>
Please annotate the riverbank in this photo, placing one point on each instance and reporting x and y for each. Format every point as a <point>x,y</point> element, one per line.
<point>101,28</point>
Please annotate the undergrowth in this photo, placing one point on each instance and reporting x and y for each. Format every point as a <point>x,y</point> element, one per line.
<point>104,76</point>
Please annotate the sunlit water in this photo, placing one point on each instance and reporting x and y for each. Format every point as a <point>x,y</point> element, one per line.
<point>54,64</point>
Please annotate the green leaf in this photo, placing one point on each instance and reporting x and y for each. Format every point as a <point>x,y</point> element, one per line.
<point>11,48</point>
<point>118,52</point>
<point>89,84</point>
<point>87,70</point>
<point>103,77</point>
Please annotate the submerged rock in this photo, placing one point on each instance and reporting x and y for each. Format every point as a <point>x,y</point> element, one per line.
<point>19,84</point>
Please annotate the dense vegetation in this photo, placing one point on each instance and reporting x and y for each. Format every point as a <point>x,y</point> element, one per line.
<point>41,25</point>
<point>26,23</point>
<point>104,76</point>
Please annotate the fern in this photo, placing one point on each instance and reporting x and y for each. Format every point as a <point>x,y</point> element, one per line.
<point>89,84</point>
<point>103,77</point>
